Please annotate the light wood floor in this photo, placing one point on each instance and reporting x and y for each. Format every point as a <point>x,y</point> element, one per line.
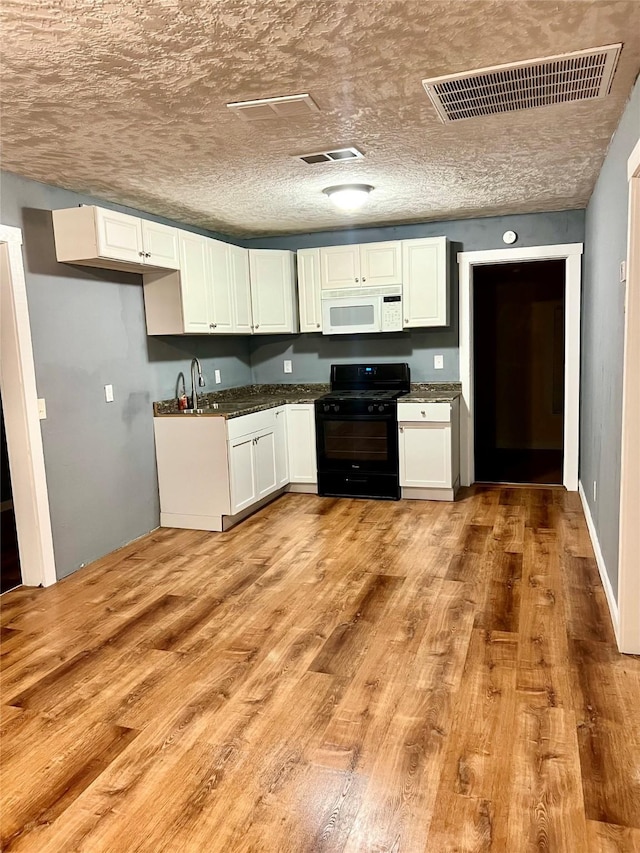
<point>332,675</point>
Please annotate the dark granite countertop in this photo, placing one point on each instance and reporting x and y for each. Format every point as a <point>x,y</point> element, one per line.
<point>235,402</point>
<point>432,392</point>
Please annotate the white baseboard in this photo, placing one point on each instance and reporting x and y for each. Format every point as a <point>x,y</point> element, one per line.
<point>602,568</point>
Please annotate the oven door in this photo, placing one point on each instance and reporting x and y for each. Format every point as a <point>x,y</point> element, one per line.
<point>357,443</point>
<point>348,315</point>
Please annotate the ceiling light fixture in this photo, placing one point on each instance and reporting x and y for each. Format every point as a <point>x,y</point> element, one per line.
<point>349,196</point>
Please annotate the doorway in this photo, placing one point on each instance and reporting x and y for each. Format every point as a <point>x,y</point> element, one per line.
<point>518,357</point>
<point>10,576</point>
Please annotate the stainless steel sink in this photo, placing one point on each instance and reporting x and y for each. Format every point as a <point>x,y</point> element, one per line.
<point>210,408</point>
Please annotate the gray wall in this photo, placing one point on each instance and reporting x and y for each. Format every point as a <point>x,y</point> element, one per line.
<point>312,354</point>
<point>88,329</point>
<point>603,336</point>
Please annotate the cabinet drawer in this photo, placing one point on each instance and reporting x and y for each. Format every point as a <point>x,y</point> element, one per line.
<point>251,423</point>
<point>427,412</point>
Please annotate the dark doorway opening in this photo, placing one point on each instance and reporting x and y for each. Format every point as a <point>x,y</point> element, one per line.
<point>518,353</point>
<point>10,575</point>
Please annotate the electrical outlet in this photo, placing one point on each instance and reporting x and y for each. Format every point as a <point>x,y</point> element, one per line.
<point>42,409</point>
<point>438,362</point>
<point>288,367</point>
<point>218,378</point>
<point>108,393</point>
<point>595,490</point>
<point>623,271</point>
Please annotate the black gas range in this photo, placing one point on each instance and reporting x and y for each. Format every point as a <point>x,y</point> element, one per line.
<point>357,431</point>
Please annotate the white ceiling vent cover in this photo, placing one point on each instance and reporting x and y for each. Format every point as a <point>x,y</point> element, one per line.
<point>578,76</point>
<point>287,107</point>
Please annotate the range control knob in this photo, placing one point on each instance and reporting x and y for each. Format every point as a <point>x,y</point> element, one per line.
<point>336,408</point>
<point>381,407</point>
<point>326,407</point>
<point>370,408</point>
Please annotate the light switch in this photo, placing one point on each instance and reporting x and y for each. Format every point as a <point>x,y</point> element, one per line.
<point>218,379</point>
<point>438,362</point>
<point>623,271</point>
<point>288,367</point>
<point>108,393</point>
<point>42,408</point>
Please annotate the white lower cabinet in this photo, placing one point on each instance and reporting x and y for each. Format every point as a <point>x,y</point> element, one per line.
<point>429,450</point>
<point>241,461</point>
<point>242,471</point>
<point>282,455</point>
<point>301,443</point>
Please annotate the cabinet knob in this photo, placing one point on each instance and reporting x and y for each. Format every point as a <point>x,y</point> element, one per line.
<point>257,325</point>
<point>363,278</point>
<point>147,254</point>
<point>357,280</point>
<point>141,254</point>
<point>401,429</point>
<point>317,325</point>
<point>213,325</point>
<point>406,319</point>
<point>423,413</point>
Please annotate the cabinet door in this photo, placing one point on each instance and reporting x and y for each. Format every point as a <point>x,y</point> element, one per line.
<point>265,463</point>
<point>309,290</point>
<point>242,472</point>
<point>301,442</point>
<point>160,244</point>
<point>425,291</point>
<point>272,291</point>
<point>425,455</point>
<point>339,267</point>
<point>194,282</point>
<point>220,296</point>
<point>282,461</point>
<point>119,236</point>
<point>238,260</point>
<point>381,263</point>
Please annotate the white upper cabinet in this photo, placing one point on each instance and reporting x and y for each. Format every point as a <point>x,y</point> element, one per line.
<point>220,289</point>
<point>273,297</point>
<point>209,295</point>
<point>194,280</point>
<point>361,265</point>
<point>93,236</point>
<point>425,292</point>
<point>119,236</point>
<point>309,290</point>
<point>238,261</point>
<point>339,267</point>
<point>381,264</point>
<point>160,244</point>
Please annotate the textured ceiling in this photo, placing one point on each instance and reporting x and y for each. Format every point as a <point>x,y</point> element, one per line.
<point>126,101</point>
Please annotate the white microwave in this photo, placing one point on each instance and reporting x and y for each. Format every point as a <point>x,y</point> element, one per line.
<point>359,309</point>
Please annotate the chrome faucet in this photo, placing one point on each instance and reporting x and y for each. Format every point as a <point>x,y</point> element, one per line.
<point>195,366</point>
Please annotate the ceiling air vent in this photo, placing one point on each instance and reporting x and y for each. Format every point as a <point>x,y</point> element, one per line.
<point>577,76</point>
<point>287,107</point>
<point>332,156</point>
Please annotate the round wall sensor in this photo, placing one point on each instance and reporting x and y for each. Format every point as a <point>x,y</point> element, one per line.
<point>509,237</point>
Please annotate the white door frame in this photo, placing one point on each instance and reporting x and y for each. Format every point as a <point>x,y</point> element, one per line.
<point>628,566</point>
<point>22,423</point>
<point>571,253</point>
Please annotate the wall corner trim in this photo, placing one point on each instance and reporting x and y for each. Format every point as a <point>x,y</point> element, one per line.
<point>602,568</point>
